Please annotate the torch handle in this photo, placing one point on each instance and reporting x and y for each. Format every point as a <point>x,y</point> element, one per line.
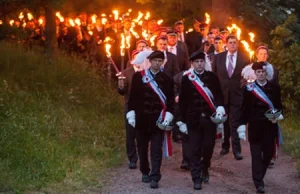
<point>114,65</point>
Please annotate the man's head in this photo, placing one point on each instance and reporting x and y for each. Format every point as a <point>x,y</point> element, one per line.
<point>218,44</point>
<point>260,71</point>
<point>262,53</point>
<point>156,59</point>
<point>232,43</point>
<point>203,29</point>
<point>141,44</point>
<point>215,30</point>
<point>162,43</point>
<point>198,61</point>
<point>211,37</point>
<point>179,26</point>
<point>172,38</point>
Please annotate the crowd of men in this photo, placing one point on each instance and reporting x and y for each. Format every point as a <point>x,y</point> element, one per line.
<point>200,86</point>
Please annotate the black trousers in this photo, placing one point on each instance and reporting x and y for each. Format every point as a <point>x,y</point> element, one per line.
<point>131,149</point>
<point>155,138</point>
<point>230,128</point>
<point>202,135</point>
<point>261,155</point>
<point>185,148</point>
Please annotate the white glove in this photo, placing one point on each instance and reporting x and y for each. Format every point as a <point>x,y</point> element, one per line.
<point>130,116</point>
<point>168,119</point>
<point>182,127</point>
<point>220,111</point>
<point>220,130</point>
<point>277,119</point>
<point>242,132</point>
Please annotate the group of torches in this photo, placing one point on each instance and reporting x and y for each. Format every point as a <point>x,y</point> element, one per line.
<point>125,40</point>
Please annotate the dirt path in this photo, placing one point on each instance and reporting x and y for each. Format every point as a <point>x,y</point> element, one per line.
<point>226,176</point>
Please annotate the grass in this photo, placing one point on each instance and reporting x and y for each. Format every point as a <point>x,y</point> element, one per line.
<point>61,125</point>
<point>291,134</point>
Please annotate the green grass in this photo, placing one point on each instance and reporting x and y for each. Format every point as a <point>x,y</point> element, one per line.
<point>291,134</point>
<point>61,126</point>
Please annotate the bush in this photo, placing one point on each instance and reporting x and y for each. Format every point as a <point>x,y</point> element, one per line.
<point>59,122</point>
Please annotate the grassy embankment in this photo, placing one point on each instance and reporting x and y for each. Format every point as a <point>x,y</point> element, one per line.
<point>61,126</point>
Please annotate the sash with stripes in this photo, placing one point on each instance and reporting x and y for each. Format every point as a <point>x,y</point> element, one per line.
<point>149,80</point>
<point>258,93</point>
<point>203,91</point>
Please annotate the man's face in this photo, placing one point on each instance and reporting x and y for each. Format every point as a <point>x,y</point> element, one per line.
<point>215,31</point>
<point>196,27</point>
<point>156,63</point>
<point>202,31</point>
<point>261,74</point>
<point>180,28</point>
<point>211,38</point>
<point>140,46</point>
<point>198,65</point>
<point>232,45</point>
<point>161,45</point>
<point>172,40</point>
<point>218,44</point>
<point>262,55</point>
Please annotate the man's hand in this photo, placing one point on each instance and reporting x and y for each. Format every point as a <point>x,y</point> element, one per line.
<point>182,127</point>
<point>131,118</point>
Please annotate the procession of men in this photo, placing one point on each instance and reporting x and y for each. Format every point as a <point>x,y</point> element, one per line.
<point>193,89</point>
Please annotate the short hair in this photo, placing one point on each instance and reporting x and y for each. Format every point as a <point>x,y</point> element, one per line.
<point>218,38</point>
<point>231,37</point>
<point>209,33</point>
<point>262,47</point>
<point>214,27</point>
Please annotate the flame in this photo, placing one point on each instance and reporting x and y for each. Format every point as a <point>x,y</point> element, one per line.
<point>152,40</point>
<point>147,16</point>
<point>1,22</point>
<point>190,30</point>
<point>41,21</point>
<point>116,13</point>
<point>252,36</point>
<point>103,21</point>
<point>129,10</point>
<point>122,47</point>
<point>91,33</point>
<point>103,15</point>
<point>107,39</point>
<point>24,25</point>
<point>207,16</point>
<point>61,19</point>
<point>237,30</point>
<point>159,22</point>
<point>247,48</point>
<point>21,16</point>
<point>72,23</point>
<point>94,19</point>
<point>135,34</point>
<point>77,21</point>
<point>11,22</point>
<point>107,48</point>
<point>136,20</point>
<point>29,16</point>
<point>127,38</point>
<point>145,34</point>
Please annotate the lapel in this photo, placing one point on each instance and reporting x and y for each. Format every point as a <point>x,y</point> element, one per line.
<point>238,64</point>
<point>223,64</point>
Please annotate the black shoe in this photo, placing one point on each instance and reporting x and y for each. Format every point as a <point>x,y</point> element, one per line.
<point>238,156</point>
<point>224,151</point>
<point>184,165</point>
<point>260,189</point>
<point>145,179</point>
<point>198,184</point>
<point>132,165</point>
<point>153,184</point>
<point>205,175</point>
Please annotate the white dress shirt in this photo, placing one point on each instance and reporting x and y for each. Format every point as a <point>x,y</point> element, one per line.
<point>181,37</point>
<point>174,49</point>
<point>233,60</point>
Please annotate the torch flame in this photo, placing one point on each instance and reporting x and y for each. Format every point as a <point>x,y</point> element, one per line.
<point>61,19</point>
<point>91,33</point>
<point>71,21</point>
<point>122,47</point>
<point>77,21</point>
<point>127,41</point>
<point>237,30</point>
<point>136,20</point>
<point>145,34</point>
<point>107,48</point>
<point>24,25</point>
<point>41,21</point>
<point>116,13</point>
<point>21,16</point>
<point>1,22</point>
<point>107,39</point>
<point>207,16</point>
<point>135,34</point>
<point>94,19</point>
<point>190,30</point>
<point>152,40</point>
<point>29,16</point>
<point>147,16</point>
<point>103,21</point>
<point>247,48</point>
<point>159,22</point>
<point>11,22</point>
<point>252,36</point>
<point>129,10</point>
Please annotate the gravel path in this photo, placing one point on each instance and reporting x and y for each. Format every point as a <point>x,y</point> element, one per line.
<point>226,176</point>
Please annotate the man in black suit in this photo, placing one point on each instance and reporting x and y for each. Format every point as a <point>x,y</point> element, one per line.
<point>194,39</point>
<point>218,46</point>
<point>179,27</point>
<point>170,66</point>
<point>124,85</point>
<point>150,102</point>
<point>228,66</point>
<point>262,129</point>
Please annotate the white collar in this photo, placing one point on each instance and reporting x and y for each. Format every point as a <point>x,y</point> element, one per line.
<point>262,84</point>
<point>136,68</point>
<point>199,73</point>
<point>169,46</point>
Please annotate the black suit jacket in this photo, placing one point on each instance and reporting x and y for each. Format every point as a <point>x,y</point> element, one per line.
<point>171,67</point>
<point>193,41</point>
<point>231,86</point>
<point>183,58</point>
